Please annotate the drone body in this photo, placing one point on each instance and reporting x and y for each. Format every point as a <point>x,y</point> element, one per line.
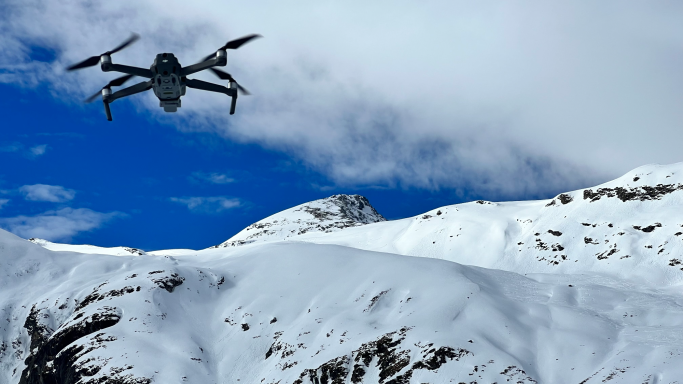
<point>167,85</point>
<point>166,76</point>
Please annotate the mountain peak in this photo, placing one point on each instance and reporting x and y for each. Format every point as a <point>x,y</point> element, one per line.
<point>330,214</point>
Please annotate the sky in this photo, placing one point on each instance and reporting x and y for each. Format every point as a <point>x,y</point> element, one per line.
<point>413,105</point>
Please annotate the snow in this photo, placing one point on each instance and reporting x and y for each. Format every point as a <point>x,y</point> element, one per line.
<point>633,239</point>
<point>325,215</point>
<point>400,301</point>
<point>84,248</point>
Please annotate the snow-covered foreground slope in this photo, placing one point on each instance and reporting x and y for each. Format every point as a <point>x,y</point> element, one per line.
<point>294,312</point>
<point>325,215</point>
<point>631,227</point>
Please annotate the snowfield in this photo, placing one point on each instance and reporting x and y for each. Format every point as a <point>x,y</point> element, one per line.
<point>519,292</point>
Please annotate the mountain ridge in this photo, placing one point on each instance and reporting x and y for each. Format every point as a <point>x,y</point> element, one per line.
<point>353,305</point>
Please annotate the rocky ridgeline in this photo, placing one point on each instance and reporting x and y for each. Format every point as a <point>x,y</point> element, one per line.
<point>325,215</point>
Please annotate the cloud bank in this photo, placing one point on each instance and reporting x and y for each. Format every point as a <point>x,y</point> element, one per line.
<point>505,99</point>
<point>212,178</point>
<point>50,193</point>
<point>59,225</point>
<point>30,153</point>
<point>213,204</point>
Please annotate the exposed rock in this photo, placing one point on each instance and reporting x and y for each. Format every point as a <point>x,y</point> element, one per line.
<point>392,362</point>
<point>168,282</point>
<point>631,194</point>
<point>53,355</point>
<point>96,296</point>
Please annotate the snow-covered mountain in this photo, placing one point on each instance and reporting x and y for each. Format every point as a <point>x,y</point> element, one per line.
<point>325,215</point>
<point>84,248</point>
<point>350,307</point>
<point>631,227</point>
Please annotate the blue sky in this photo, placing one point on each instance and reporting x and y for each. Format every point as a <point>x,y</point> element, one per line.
<point>134,166</point>
<point>413,105</point>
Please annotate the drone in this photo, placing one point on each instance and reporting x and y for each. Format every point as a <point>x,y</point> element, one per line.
<point>166,76</point>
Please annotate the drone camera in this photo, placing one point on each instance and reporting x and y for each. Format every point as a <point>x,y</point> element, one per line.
<point>170,105</point>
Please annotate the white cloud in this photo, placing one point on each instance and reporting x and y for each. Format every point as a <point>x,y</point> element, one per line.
<point>3,202</point>
<point>51,193</point>
<point>213,178</point>
<point>38,150</point>
<point>499,97</point>
<point>60,225</point>
<point>31,153</point>
<point>11,147</point>
<point>214,204</point>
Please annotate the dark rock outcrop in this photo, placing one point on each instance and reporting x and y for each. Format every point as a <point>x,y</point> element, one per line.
<point>53,355</point>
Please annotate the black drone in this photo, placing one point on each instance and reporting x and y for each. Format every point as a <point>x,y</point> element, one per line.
<point>167,77</point>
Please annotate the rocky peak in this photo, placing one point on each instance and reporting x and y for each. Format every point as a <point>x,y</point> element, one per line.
<point>330,214</point>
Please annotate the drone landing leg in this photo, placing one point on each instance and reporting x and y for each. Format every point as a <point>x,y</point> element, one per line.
<point>233,104</point>
<point>107,110</point>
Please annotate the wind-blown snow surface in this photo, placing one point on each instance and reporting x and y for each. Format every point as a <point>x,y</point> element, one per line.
<point>307,312</point>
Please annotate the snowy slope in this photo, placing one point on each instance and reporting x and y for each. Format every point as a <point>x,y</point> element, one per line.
<point>295,312</point>
<point>84,248</point>
<point>113,251</point>
<point>631,227</point>
<point>325,215</point>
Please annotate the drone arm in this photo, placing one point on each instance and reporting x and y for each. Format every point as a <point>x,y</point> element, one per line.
<point>217,61</point>
<point>137,88</point>
<point>136,71</point>
<point>211,87</point>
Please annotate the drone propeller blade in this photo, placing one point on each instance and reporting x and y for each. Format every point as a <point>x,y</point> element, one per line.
<point>133,38</point>
<point>119,81</point>
<point>211,56</point>
<point>85,63</point>
<point>242,89</point>
<point>227,76</point>
<point>234,44</point>
<point>92,61</point>
<point>114,83</point>
<point>93,97</point>
<point>223,75</point>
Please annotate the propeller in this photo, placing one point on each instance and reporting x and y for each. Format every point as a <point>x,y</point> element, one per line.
<point>89,62</point>
<point>114,83</point>
<point>227,76</point>
<point>234,44</point>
